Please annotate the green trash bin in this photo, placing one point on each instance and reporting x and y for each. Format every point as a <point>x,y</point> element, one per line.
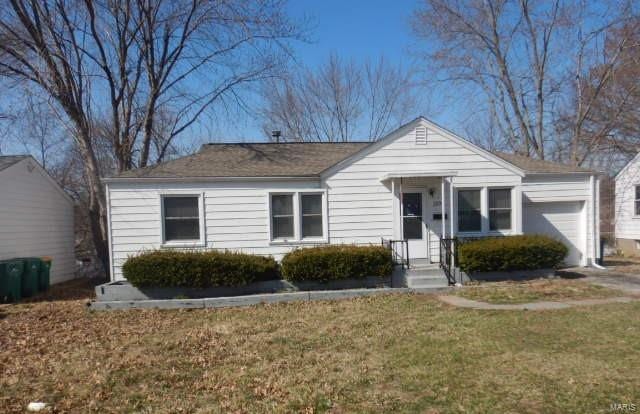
<point>4,282</point>
<point>11,280</point>
<point>44,278</point>
<point>30,276</point>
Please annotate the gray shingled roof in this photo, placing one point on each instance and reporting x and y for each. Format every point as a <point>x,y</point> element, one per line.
<point>535,166</point>
<point>7,161</point>
<point>252,160</point>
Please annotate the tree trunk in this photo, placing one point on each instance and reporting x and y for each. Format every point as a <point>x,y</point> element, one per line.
<point>97,200</point>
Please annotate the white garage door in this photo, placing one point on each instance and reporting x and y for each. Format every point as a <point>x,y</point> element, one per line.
<point>562,221</point>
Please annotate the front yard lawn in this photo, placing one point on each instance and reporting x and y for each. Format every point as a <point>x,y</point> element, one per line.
<point>407,353</point>
<point>536,290</point>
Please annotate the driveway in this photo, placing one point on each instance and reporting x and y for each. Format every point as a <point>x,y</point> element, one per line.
<point>621,273</point>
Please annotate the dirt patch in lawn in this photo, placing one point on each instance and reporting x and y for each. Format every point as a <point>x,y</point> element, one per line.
<point>390,353</point>
<point>553,289</point>
<point>76,289</point>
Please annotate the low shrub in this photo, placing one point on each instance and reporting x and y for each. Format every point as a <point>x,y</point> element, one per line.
<point>199,269</point>
<point>336,262</point>
<point>502,254</point>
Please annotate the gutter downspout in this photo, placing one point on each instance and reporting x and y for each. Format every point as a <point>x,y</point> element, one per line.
<point>594,222</point>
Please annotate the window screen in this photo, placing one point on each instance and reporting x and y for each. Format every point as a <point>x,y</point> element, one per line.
<point>282,216</point>
<point>469,216</point>
<point>311,210</point>
<point>500,209</point>
<point>181,218</point>
<point>412,216</point>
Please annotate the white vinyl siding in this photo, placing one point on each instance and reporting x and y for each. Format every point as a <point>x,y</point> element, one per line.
<point>361,207</point>
<point>627,222</point>
<point>236,216</point>
<point>36,219</point>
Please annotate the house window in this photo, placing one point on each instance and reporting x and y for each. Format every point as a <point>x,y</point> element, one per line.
<point>311,211</point>
<point>181,218</point>
<point>637,201</point>
<point>282,216</point>
<point>499,209</point>
<point>411,216</point>
<point>469,215</point>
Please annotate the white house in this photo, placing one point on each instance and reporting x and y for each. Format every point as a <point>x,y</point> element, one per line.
<point>36,216</point>
<point>418,183</point>
<point>627,208</point>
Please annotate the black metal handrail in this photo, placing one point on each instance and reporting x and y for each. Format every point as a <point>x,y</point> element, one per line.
<point>448,258</point>
<point>399,250</point>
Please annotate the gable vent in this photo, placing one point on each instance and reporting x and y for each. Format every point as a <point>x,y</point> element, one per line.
<point>421,135</point>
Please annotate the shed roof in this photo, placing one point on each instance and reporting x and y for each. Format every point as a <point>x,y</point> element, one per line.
<point>252,160</point>
<point>7,161</point>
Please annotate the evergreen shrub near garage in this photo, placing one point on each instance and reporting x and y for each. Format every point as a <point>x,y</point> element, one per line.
<point>503,254</point>
<point>198,269</point>
<point>336,262</point>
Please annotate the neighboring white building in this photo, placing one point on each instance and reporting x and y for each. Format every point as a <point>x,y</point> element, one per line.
<point>36,216</point>
<point>627,208</point>
<point>269,198</point>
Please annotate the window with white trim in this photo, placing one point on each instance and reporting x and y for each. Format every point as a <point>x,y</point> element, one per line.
<point>636,205</point>
<point>181,218</point>
<point>499,209</point>
<point>311,215</point>
<point>469,211</point>
<point>298,216</point>
<point>282,217</point>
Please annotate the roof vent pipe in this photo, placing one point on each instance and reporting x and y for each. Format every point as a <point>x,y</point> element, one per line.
<point>276,136</point>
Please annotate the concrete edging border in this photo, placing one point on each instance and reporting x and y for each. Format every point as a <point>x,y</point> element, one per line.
<point>249,300</point>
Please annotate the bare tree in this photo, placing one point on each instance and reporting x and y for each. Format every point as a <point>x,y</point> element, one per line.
<point>340,101</point>
<point>604,114</point>
<point>111,67</point>
<point>526,56</point>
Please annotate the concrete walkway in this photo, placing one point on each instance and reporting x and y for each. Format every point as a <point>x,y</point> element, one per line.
<point>628,283</point>
<point>474,304</point>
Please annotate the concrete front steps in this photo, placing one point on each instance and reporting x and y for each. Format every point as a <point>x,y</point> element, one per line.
<point>425,275</point>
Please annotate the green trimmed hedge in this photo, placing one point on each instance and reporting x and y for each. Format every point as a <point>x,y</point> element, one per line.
<point>199,269</point>
<point>503,254</point>
<point>336,262</point>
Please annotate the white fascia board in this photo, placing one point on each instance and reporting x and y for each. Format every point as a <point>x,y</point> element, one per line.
<point>205,179</point>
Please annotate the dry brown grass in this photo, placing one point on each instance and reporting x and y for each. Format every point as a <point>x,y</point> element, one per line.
<point>630,265</point>
<point>406,353</point>
<point>553,289</point>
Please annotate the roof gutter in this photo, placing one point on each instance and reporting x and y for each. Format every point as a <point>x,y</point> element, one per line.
<point>207,179</point>
<point>567,172</point>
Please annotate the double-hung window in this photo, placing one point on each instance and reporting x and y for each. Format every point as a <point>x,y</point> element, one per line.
<point>297,216</point>
<point>311,215</point>
<point>469,212</point>
<point>181,218</point>
<point>499,209</point>
<point>636,203</point>
<point>282,226</point>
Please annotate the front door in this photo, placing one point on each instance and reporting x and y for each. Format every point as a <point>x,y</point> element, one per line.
<point>414,229</point>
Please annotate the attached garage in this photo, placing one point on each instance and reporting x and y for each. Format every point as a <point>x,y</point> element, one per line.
<point>564,221</point>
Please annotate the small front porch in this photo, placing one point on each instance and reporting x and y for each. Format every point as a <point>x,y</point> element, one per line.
<point>423,223</point>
